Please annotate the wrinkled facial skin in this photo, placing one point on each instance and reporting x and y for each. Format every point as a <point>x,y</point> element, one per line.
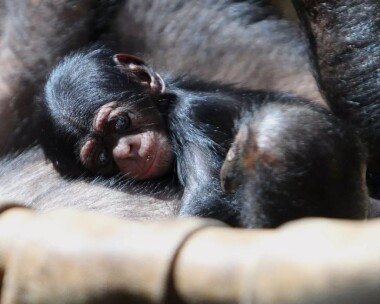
<point>126,140</point>
<point>104,114</point>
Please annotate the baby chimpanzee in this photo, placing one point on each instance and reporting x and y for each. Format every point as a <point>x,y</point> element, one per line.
<point>104,114</point>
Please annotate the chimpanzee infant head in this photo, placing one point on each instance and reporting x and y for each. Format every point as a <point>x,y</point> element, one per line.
<point>100,115</point>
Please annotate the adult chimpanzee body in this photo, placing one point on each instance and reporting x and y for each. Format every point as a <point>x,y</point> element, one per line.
<point>106,114</point>
<point>345,44</point>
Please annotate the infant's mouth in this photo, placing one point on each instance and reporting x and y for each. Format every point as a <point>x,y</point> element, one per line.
<point>151,167</point>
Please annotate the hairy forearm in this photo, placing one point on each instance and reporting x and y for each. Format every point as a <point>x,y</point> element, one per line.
<point>344,38</point>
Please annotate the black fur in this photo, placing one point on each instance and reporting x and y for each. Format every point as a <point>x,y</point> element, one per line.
<point>200,119</point>
<point>344,37</point>
<point>294,159</point>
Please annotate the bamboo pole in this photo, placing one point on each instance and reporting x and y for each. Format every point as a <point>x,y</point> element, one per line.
<point>69,256</point>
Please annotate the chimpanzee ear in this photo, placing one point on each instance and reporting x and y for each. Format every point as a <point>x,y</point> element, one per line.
<point>231,171</point>
<point>136,66</point>
<point>236,162</point>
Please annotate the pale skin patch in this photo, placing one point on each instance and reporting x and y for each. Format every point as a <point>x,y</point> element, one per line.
<point>134,64</point>
<point>86,151</point>
<point>101,118</point>
<point>116,112</point>
<point>151,156</point>
<point>141,156</point>
<point>100,122</point>
<point>158,85</point>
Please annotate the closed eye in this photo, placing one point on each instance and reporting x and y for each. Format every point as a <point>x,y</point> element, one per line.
<point>120,124</point>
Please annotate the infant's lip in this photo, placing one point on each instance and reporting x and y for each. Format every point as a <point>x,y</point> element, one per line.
<point>150,167</point>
